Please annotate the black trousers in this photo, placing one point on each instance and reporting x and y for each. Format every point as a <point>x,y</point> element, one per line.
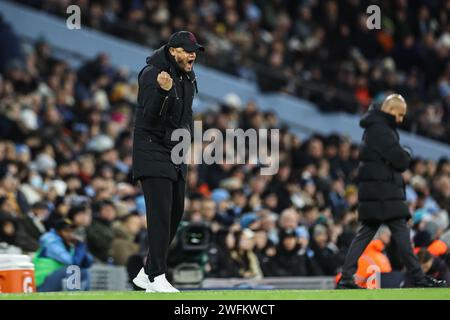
<point>400,237</point>
<point>164,202</point>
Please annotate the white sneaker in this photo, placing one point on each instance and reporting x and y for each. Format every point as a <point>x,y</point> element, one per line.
<point>141,279</point>
<point>160,284</point>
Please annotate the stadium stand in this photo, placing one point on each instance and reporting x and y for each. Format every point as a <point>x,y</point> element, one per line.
<point>305,48</point>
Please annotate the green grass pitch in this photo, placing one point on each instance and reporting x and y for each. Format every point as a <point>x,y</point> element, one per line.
<point>380,294</point>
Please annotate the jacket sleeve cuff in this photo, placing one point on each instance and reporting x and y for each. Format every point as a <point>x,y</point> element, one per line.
<point>163,92</point>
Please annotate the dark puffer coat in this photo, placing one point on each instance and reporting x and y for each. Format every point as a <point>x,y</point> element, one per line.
<point>158,114</point>
<point>381,187</point>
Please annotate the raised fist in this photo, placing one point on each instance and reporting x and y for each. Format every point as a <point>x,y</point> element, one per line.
<point>164,80</point>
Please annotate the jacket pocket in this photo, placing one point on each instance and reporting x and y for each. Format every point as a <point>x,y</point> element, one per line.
<point>163,106</point>
<point>157,106</point>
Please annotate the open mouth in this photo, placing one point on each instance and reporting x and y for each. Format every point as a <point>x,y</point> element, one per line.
<point>191,62</point>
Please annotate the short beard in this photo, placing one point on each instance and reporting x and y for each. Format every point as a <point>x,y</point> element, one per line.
<point>180,65</point>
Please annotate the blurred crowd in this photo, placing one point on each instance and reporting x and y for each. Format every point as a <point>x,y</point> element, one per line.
<point>65,155</point>
<point>322,51</point>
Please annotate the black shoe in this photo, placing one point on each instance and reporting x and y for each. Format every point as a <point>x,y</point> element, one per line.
<point>430,282</point>
<point>347,284</point>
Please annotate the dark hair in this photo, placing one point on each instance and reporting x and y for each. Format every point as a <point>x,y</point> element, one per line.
<point>422,239</point>
<point>73,211</point>
<point>64,223</point>
<point>126,217</point>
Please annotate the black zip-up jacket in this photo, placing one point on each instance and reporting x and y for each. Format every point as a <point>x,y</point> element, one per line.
<point>158,114</point>
<point>381,188</point>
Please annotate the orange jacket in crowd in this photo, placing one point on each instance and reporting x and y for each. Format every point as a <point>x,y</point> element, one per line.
<point>436,248</point>
<point>373,255</point>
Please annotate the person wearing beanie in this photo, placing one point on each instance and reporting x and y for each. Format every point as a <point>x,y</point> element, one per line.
<point>167,85</point>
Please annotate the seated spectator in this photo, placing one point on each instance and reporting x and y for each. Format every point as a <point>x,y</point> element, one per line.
<point>264,250</point>
<point>125,232</point>
<point>221,198</point>
<point>292,259</point>
<point>60,211</point>
<point>17,233</point>
<point>208,211</point>
<point>436,247</point>
<point>8,233</point>
<point>373,258</point>
<point>337,198</point>
<point>244,257</point>
<point>325,251</point>
<point>289,220</point>
<point>81,217</point>
<point>238,203</point>
<point>433,266</point>
<point>10,183</point>
<point>348,225</point>
<point>310,215</point>
<point>100,234</point>
<point>220,263</point>
<point>34,220</point>
<point>60,249</point>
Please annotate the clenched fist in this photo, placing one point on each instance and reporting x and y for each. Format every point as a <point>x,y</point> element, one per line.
<point>164,80</point>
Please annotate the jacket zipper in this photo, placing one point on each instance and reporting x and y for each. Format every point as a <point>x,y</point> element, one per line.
<point>194,82</point>
<point>163,105</point>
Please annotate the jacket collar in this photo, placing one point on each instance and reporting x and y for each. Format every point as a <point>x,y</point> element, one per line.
<point>389,119</point>
<point>164,61</point>
<point>374,116</point>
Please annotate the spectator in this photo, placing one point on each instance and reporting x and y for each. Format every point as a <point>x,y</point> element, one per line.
<point>16,233</point>
<point>34,220</point>
<point>220,262</point>
<point>264,250</point>
<point>292,259</point>
<point>60,250</point>
<point>100,233</point>
<point>81,217</point>
<point>373,258</point>
<point>326,252</point>
<point>10,186</point>
<point>244,257</point>
<point>125,232</point>
<point>424,239</point>
<point>433,266</point>
<point>8,232</point>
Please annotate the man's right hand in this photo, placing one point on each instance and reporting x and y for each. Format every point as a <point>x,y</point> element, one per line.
<point>164,80</point>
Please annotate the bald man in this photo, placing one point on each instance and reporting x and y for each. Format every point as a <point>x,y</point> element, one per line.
<point>381,191</point>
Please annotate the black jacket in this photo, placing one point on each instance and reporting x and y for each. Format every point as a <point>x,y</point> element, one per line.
<point>291,263</point>
<point>158,114</point>
<point>99,236</point>
<point>381,187</point>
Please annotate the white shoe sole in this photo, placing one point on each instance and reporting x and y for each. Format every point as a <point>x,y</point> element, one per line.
<point>154,291</point>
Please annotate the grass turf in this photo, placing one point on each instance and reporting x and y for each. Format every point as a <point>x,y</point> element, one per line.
<point>380,294</point>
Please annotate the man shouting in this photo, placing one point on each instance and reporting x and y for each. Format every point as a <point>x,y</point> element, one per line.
<point>166,89</point>
<point>382,191</point>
